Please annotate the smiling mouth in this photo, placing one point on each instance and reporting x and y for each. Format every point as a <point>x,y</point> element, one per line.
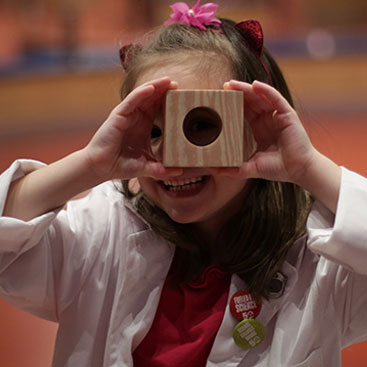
<point>189,184</point>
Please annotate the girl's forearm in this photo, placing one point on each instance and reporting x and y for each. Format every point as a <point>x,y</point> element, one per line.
<point>322,180</point>
<point>49,187</point>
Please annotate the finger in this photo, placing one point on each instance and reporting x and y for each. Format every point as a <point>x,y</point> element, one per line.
<point>255,104</point>
<point>274,96</point>
<point>134,99</point>
<point>157,83</point>
<point>240,173</point>
<point>264,165</point>
<point>249,112</point>
<point>162,85</point>
<point>229,171</point>
<point>156,170</point>
<point>151,106</point>
<point>173,85</point>
<point>142,94</point>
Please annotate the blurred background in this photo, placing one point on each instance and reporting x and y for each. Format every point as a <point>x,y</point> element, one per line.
<point>60,76</point>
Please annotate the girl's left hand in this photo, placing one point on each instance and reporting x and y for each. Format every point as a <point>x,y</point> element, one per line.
<point>283,149</point>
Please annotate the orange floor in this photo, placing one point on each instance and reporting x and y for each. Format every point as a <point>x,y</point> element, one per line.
<point>26,341</point>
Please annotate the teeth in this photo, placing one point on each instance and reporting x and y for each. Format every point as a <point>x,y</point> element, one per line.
<point>187,184</point>
<point>183,187</point>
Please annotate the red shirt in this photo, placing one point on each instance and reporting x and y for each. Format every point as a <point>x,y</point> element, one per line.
<point>186,323</point>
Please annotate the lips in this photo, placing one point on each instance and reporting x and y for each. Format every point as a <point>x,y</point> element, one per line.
<point>184,187</point>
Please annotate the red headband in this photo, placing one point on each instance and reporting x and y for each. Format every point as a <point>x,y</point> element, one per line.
<point>252,33</point>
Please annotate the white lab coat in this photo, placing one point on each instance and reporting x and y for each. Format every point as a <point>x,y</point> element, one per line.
<point>98,269</point>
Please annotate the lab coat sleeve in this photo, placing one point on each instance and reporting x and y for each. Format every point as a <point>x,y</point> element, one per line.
<point>44,261</point>
<point>341,242</point>
<point>342,238</point>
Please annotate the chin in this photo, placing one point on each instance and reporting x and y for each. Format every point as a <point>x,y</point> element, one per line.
<point>182,219</point>
<point>188,218</point>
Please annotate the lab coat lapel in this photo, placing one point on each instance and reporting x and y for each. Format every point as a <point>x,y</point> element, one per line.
<point>139,286</point>
<point>225,353</point>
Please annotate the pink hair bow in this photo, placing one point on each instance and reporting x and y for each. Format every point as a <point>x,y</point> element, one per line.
<point>199,16</point>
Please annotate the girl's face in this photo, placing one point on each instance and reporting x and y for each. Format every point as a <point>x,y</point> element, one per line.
<point>199,195</point>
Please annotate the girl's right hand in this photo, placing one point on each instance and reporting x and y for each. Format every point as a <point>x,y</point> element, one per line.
<point>121,147</point>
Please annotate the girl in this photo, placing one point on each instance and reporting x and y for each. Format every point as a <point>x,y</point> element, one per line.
<point>195,266</point>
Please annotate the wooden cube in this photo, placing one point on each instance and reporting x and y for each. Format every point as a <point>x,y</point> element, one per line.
<point>203,128</point>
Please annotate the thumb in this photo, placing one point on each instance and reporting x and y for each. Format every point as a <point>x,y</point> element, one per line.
<point>247,170</point>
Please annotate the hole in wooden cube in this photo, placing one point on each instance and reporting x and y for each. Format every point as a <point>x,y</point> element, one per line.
<point>203,128</point>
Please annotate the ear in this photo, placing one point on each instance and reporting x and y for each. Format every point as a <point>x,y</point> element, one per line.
<point>127,54</point>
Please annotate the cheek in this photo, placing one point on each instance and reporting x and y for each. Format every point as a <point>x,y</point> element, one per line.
<point>230,189</point>
<point>149,187</point>
<point>230,184</point>
<point>157,148</point>
<point>144,184</point>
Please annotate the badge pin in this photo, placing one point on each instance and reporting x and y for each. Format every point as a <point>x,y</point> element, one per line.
<point>249,333</point>
<point>243,306</point>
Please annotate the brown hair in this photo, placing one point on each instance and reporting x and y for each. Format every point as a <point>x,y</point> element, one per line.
<point>254,243</point>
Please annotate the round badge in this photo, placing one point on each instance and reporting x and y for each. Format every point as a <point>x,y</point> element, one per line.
<point>243,306</point>
<point>249,333</point>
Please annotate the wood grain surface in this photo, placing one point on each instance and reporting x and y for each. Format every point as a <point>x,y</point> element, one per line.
<point>226,150</point>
